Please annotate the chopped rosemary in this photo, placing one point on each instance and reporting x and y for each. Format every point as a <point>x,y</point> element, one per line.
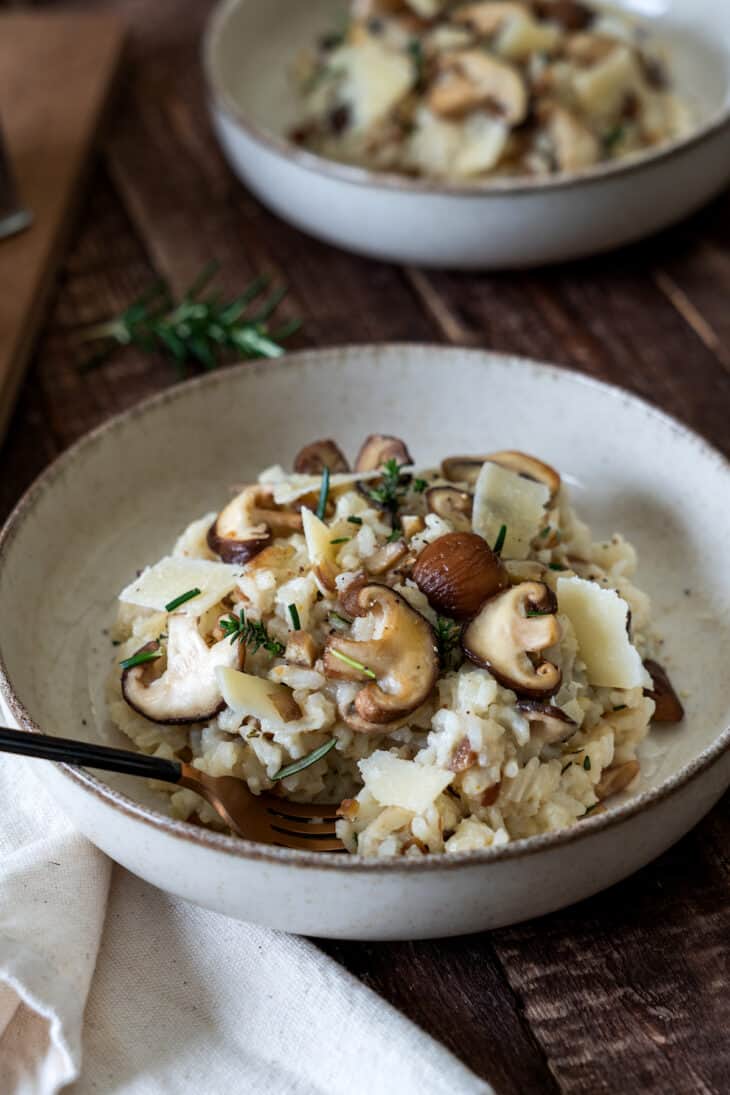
<point>621,707</point>
<point>251,632</point>
<point>545,532</point>
<point>294,613</point>
<point>395,535</point>
<point>355,520</point>
<point>341,540</point>
<point>323,494</point>
<point>353,663</point>
<point>557,566</point>
<point>613,137</point>
<point>182,599</point>
<point>530,614</point>
<point>419,485</point>
<point>140,658</point>
<point>415,49</point>
<point>587,764</point>
<point>338,621</point>
<point>447,641</point>
<point>499,543</point>
<point>197,329</point>
<point>311,758</point>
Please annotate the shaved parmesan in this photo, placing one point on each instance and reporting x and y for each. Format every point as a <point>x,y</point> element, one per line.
<point>375,78</point>
<point>599,618</point>
<point>396,782</point>
<point>523,36</point>
<point>503,497</point>
<point>602,89</point>
<point>289,488</point>
<point>318,536</point>
<point>469,147</point>
<point>160,584</point>
<point>245,694</point>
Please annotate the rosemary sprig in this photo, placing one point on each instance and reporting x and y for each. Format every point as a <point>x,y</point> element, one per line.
<point>499,543</point>
<point>311,758</point>
<point>199,329</point>
<point>251,632</point>
<point>447,641</point>
<point>294,613</point>
<point>390,491</point>
<point>323,494</point>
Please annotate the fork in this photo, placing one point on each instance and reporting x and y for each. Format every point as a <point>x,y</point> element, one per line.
<point>265,818</point>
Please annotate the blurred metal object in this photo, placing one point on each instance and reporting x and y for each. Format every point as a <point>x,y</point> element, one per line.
<point>13,218</point>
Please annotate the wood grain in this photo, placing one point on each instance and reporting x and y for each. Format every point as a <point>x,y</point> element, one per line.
<point>626,993</point>
<point>51,121</point>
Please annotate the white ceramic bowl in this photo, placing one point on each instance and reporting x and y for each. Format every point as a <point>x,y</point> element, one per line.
<point>248,53</point>
<point>116,500</point>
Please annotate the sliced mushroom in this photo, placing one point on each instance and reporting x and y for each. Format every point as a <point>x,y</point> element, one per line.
<point>529,467</point>
<point>458,573</point>
<point>548,724</point>
<point>517,623</point>
<point>248,523</point>
<point>616,779</point>
<point>574,146</point>
<point>668,706</point>
<point>466,469</point>
<point>489,16</point>
<point>315,457</point>
<point>412,524</point>
<point>386,557</point>
<point>301,649</point>
<point>450,503</point>
<point>471,78</point>
<point>187,690</point>
<point>403,658</point>
<point>378,448</point>
<point>463,758</point>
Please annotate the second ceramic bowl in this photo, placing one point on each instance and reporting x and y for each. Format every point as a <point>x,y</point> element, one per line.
<point>248,54</point>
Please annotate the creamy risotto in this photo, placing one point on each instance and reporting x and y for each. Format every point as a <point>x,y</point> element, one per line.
<point>461,91</point>
<point>446,652</point>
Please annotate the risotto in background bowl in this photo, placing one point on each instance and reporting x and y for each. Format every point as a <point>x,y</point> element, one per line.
<point>422,144</point>
<point>522,834</point>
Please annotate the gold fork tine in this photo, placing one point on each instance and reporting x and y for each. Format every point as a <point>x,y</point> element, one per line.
<point>300,843</point>
<point>325,811</point>
<point>311,828</point>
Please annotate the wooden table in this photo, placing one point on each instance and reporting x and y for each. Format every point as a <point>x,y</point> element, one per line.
<point>628,992</point>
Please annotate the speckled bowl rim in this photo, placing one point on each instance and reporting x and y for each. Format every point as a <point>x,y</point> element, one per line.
<point>223,99</point>
<point>583,830</point>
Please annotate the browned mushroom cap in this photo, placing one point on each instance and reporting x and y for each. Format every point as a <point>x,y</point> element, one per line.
<point>472,78</point>
<point>465,469</point>
<point>246,525</point>
<point>547,723</point>
<point>400,666</point>
<point>458,573</point>
<point>187,690</point>
<point>378,448</point>
<point>668,706</point>
<point>449,502</point>
<point>516,623</point>
<point>315,457</point>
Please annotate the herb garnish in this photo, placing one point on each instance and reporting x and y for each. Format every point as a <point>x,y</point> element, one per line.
<point>197,329</point>
<point>353,663</point>
<point>355,520</point>
<point>395,536</point>
<point>323,494</point>
<point>338,621</point>
<point>415,50</point>
<point>499,543</point>
<point>587,764</point>
<point>140,658</point>
<point>621,707</point>
<point>393,486</point>
<point>294,613</point>
<point>251,632</point>
<point>613,137</point>
<point>557,566</point>
<point>182,599</point>
<point>447,640</point>
<point>545,532</point>
<point>530,614</point>
<point>419,485</point>
<point>311,758</point>
<point>341,540</point>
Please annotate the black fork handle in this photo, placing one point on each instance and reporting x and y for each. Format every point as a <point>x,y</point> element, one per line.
<point>66,751</point>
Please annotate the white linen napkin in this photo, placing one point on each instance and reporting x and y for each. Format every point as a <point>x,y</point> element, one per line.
<point>111,985</point>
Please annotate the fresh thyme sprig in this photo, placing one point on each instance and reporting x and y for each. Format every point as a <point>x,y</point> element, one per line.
<point>201,328</point>
<point>447,640</point>
<point>251,632</point>
<point>391,490</point>
<point>311,758</point>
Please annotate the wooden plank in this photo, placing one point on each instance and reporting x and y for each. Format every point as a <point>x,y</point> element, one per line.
<point>51,118</point>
